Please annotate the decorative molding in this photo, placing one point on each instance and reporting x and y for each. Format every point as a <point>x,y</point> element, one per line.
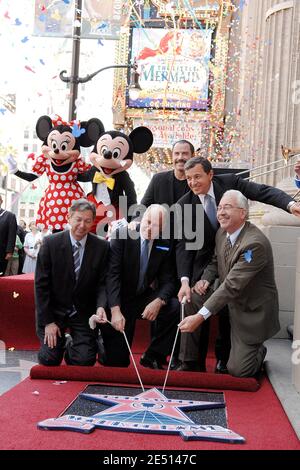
<point>281,6</point>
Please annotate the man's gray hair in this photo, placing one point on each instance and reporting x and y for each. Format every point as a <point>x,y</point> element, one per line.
<point>241,200</point>
<point>82,205</point>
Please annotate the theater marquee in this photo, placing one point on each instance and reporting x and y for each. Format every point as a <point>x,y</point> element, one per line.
<point>174,67</point>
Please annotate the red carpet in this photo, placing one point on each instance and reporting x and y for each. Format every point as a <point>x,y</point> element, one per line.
<point>258,417</point>
<point>17,329</point>
<point>17,325</point>
<point>149,377</point>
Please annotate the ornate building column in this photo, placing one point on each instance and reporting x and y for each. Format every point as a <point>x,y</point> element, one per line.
<point>264,110</point>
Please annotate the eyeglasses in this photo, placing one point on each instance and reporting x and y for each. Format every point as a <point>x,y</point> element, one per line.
<point>227,207</point>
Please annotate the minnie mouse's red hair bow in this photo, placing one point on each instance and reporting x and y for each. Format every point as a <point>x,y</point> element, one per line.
<point>57,120</point>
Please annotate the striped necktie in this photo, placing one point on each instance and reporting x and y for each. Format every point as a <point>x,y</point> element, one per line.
<point>76,258</point>
<point>227,249</point>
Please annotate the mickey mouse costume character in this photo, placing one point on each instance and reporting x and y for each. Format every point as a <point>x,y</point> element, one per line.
<point>111,157</point>
<point>62,163</point>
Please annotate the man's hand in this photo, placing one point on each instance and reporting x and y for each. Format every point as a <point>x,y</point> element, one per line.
<point>201,287</point>
<point>295,209</point>
<point>133,225</point>
<point>8,256</point>
<point>191,323</point>
<point>185,291</point>
<point>297,169</point>
<point>117,319</point>
<point>99,317</point>
<point>152,310</point>
<point>51,332</point>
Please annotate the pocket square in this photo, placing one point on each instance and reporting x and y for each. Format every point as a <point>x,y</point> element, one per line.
<point>248,255</point>
<point>163,248</point>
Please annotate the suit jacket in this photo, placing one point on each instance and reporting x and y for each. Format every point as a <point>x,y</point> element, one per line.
<point>247,284</point>
<point>8,233</point>
<point>160,189</point>
<point>56,289</point>
<point>124,267</point>
<point>124,186</point>
<point>191,263</point>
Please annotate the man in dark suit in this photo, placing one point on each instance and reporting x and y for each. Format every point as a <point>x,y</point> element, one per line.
<point>8,234</point>
<point>243,261</point>
<point>69,288</point>
<point>206,192</point>
<point>167,187</point>
<point>140,283</point>
<point>21,232</point>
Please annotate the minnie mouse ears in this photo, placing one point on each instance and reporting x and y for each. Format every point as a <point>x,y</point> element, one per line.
<point>92,129</point>
<point>43,127</point>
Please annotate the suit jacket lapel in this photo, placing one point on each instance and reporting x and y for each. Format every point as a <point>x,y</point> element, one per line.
<point>86,260</point>
<point>218,191</point>
<point>238,242</point>
<point>67,254</point>
<point>170,189</point>
<point>134,251</point>
<point>154,258</point>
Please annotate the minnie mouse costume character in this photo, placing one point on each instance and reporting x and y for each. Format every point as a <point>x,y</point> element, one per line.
<point>111,157</point>
<point>62,163</point>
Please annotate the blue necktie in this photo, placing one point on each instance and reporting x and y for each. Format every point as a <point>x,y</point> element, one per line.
<point>211,211</point>
<point>143,264</point>
<point>76,258</point>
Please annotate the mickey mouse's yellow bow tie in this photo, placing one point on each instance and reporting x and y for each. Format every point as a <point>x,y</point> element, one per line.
<point>99,178</point>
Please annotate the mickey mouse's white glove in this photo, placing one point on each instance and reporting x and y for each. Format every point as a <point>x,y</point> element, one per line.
<point>12,164</point>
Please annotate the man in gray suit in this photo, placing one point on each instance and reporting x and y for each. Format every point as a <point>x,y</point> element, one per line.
<point>243,261</point>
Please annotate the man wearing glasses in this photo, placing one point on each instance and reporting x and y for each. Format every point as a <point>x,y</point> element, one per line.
<point>207,190</point>
<point>243,261</point>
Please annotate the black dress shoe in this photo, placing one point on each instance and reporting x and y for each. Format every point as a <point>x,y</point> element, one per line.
<point>150,362</point>
<point>175,363</point>
<point>221,368</point>
<point>190,366</point>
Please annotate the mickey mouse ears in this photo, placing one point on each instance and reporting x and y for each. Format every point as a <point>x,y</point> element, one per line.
<point>141,138</point>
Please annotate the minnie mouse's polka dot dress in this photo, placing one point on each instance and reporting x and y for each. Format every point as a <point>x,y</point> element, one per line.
<point>63,189</point>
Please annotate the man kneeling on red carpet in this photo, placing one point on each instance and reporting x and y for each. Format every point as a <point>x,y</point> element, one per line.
<point>141,283</point>
<point>243,261</point>
<point>69,288</point>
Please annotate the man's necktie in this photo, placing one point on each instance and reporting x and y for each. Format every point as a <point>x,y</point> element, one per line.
<point>227,249</point>
<point>143,264</point>
<point>211,210</point>
<point>76,259</point>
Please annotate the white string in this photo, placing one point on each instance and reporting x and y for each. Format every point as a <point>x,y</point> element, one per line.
<point>131,355</point>
<point>183,302</point>
<point>169,365</point>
